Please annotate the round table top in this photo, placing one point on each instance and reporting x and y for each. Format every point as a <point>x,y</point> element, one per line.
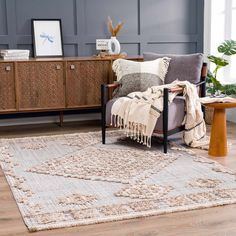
<point>221,105</point>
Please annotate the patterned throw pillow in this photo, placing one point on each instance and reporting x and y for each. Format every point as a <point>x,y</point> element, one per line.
<point>139,76</point>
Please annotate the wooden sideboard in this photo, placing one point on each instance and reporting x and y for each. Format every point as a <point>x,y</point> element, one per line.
<point>53,84</point>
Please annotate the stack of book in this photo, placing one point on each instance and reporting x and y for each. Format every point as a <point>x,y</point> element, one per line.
<point>14,54</point>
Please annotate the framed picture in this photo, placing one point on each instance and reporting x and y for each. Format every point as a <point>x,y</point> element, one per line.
<point>47,38</point>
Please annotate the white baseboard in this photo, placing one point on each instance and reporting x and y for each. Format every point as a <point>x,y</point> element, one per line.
<point>49,119</point>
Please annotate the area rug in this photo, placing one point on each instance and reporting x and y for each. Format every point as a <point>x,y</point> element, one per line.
<point>68,180</point>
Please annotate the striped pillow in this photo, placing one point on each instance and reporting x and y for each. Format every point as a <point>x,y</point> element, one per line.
<point>139,76</point>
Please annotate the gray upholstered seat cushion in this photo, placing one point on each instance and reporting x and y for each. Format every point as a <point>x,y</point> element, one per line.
<point>175,119</point>
<point>183,67</point>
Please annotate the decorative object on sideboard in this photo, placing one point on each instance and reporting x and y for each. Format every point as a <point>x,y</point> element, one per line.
<point>14,54</point>
<point>47,37</point>
<point>110,48</point>
<point>103,46</point>
<point>114,46</point>
<point>105,55</point>
<point>114,30</point>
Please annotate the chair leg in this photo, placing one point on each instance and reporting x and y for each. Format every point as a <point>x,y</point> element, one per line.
<point>61,117</point>
<point>103,134</point>
<point>165,119</point>
<point>165,142</point>
<point>103,100</point>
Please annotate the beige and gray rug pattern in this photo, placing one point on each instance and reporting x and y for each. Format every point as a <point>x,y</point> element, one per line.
<point>68,180</point>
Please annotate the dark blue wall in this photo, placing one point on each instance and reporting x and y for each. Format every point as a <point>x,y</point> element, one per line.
<point>165,26</point>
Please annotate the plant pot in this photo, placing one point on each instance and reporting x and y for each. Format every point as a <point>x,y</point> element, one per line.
<point>209,112</point>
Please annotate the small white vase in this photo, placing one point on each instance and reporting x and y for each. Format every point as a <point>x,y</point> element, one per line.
<point>114,46</point>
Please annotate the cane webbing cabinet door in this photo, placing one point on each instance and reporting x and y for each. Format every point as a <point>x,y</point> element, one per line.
<point>40,85</point>
<point>83,82</point>
<point>7,87</point>
<point>54,84</point>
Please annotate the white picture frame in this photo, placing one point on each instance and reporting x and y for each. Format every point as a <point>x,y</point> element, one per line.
<point>47,38</point>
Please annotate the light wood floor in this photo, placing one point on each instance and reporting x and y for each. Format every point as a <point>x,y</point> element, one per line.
<point>217,221</point>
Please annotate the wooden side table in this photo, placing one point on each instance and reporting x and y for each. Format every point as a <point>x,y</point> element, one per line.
<point>218,141</point>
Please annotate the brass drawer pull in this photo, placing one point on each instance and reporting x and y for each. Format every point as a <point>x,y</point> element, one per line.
<point>58,67</point>
<point>8,68</point>
<point>72,67</point>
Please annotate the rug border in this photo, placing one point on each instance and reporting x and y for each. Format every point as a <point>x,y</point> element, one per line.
<point>142,214</point>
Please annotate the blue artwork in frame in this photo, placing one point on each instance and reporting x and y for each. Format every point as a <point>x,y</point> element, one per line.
<point>47,37</point>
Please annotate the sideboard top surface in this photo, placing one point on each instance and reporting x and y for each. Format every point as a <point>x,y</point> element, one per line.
<point>92,58</point>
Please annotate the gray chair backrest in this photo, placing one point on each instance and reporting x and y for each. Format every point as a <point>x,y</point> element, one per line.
<point>182,67</point>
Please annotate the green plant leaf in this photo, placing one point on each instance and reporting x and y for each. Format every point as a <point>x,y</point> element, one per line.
<point>229,89</point>
<point>228,47</point>
<point>216,83</point>
<point>220,62</point>
<point>211,90</point>
<point>213,84</point>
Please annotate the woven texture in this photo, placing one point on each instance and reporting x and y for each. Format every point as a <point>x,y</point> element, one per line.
<point>136,76</point>
<point>7,87</point>
<point>68,180</point>
<point>41,85</point>
<point>209,112</point>
<point>84,82</point>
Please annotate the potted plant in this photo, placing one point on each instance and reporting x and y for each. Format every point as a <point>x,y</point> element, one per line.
<point>214,86</point>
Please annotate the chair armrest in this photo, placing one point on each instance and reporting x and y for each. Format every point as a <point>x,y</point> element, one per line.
<point>106,92</point>
<point>202,87</point>
<point>200,83</point>
<point>113,86</point>
<point>176,90</point>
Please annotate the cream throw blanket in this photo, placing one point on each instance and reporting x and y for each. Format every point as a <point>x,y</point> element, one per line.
<point>138,112</point>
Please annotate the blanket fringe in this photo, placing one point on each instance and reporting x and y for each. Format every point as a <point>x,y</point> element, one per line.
<point>164,68</point>
<point>138,126</point>
<point>132,130</point>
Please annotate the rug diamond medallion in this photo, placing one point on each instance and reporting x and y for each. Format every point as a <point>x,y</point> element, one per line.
<point>68,180</point>
<point>94,163</point>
